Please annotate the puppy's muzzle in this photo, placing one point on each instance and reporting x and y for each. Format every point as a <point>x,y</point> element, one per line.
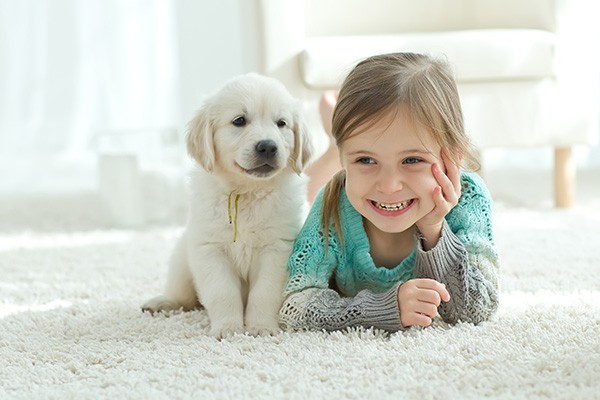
<point>265,160</point>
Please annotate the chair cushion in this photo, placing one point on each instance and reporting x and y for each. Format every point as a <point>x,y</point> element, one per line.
<point>476,55</point>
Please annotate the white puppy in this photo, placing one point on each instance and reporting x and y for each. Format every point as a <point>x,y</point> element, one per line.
<point>248,203</point>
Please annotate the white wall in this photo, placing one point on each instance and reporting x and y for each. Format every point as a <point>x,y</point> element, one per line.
<point>218,40</point>
<point>209,36</point>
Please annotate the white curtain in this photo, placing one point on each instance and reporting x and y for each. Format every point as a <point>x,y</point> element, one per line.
<point>75,72</point>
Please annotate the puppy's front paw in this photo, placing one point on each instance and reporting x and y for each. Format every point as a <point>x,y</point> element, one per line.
<point>224,332</point>
<point>160,304</point>
<point>263,330</point>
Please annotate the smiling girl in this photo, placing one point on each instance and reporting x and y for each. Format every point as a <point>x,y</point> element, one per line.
<point>402,232</point>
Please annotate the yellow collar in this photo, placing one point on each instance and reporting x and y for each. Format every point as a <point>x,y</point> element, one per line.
<point>237,198</point>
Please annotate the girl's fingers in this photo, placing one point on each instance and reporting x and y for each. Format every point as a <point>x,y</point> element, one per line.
<point>453,173</point>
<point>432,284</point>
<point>442,179</point>
<point>430,296</point>
<point>438,198</point>
<point>444,294</point>
<point>422,302</point>
<point>448,187</point>
<point>416,319</point>
<point>427,309</point>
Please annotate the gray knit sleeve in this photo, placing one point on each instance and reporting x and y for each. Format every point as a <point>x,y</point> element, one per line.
<point>470,277</point>
<point>325,309</point>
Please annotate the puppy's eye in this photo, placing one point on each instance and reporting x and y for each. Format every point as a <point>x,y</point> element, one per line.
<point>281,123</point>
<point>239,121</point>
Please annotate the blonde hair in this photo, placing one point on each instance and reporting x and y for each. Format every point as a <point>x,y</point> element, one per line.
<point>376,87</point>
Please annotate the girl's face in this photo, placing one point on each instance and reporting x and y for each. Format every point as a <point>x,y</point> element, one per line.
<point>388,172</point>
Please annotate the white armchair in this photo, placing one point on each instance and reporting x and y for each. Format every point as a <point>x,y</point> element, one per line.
<point>527,71</point>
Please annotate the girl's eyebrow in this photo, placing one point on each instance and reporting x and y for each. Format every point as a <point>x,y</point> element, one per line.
<point>421,151</point>
<point>409,151</point>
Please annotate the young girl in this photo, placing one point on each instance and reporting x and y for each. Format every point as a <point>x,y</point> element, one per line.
<point>400,233</point>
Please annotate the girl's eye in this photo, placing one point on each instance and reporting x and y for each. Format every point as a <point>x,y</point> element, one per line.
<point>239,121</point>
<point>281,123</point>
<point>412,160</point>
<point>365,160</point>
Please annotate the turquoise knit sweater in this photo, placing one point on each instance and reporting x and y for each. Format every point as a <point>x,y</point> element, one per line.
<point>343,287</point>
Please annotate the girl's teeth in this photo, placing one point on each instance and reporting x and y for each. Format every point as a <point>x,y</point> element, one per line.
<point>392,207</point>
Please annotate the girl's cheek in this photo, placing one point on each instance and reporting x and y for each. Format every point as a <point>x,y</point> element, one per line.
<point>425,180</point>
<point>431,183</point>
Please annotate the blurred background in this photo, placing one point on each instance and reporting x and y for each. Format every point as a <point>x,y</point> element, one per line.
<point>95,96</point>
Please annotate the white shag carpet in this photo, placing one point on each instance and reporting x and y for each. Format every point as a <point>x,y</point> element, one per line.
<point>71,326</point>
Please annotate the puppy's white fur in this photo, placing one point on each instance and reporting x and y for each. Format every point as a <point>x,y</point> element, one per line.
<point>240,193</point>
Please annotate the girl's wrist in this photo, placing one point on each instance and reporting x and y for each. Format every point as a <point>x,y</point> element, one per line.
<point>430,235</point>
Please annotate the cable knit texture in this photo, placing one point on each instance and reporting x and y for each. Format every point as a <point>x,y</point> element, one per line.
<point>342,287</point>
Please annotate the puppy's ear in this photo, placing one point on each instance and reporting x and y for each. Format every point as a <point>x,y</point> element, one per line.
<point>200,143</point>
<point>303,145</point>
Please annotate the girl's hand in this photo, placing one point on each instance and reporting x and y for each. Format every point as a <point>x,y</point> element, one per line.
<point>445,197</point>
<point>419,299</point>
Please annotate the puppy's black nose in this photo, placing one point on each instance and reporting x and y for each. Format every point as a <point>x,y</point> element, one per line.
<point>266,149</point>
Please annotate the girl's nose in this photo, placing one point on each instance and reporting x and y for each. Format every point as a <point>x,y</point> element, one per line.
<point>389,182</point>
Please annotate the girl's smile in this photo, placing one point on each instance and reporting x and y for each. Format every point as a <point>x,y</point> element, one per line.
<point>392,210</point>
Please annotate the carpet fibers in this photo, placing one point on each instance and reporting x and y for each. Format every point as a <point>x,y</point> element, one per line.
<point>71,325</point>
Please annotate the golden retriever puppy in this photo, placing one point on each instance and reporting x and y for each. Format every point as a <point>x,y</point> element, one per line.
<point>248,203</point>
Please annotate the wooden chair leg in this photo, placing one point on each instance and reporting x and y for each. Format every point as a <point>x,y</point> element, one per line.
<point>564,177</point>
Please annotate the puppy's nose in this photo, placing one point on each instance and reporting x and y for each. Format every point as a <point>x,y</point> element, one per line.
<point>266,149</point>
